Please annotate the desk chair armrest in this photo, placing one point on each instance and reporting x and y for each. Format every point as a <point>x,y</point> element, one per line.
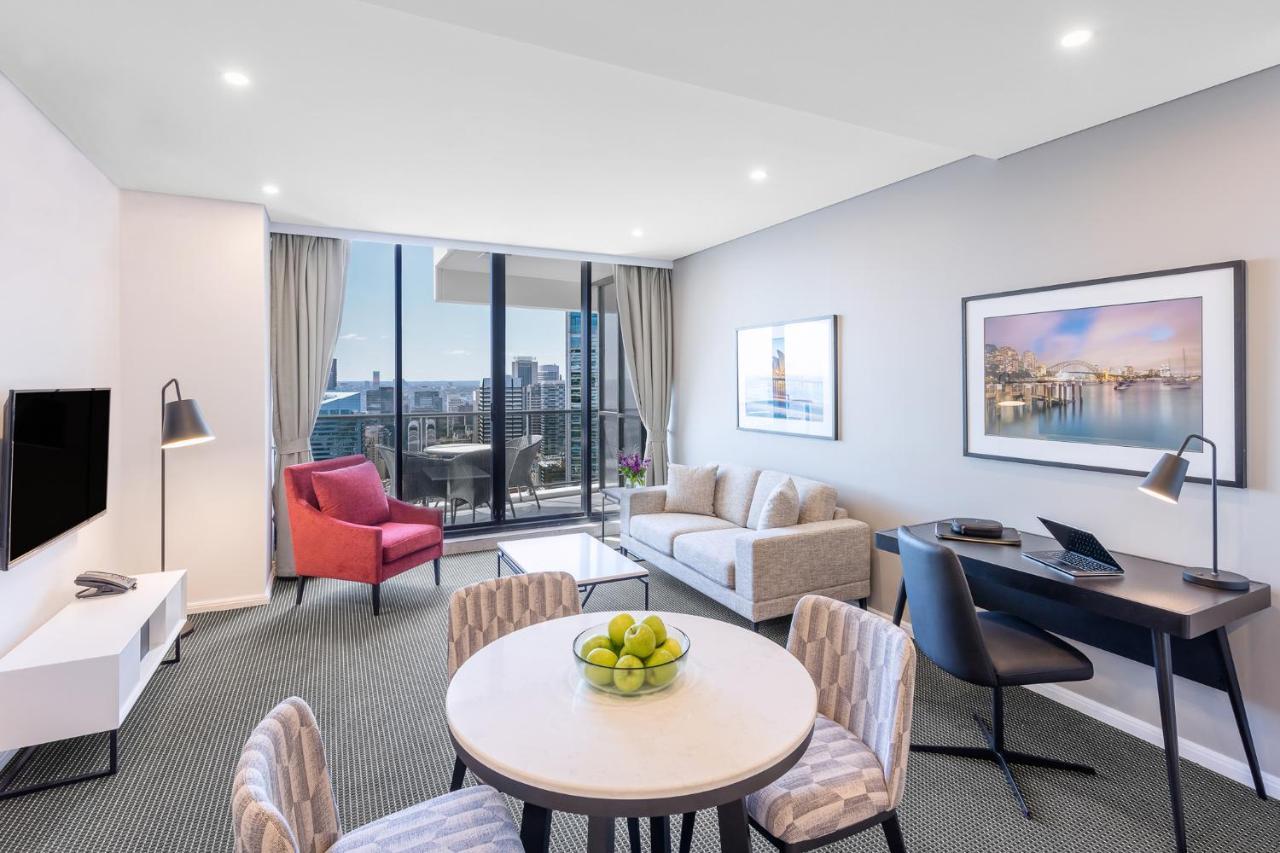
<point>805,557</point>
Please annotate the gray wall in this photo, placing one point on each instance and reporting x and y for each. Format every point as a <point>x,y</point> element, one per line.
<point>1190,182</point>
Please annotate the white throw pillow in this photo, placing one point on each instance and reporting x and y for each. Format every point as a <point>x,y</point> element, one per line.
<point>781,508</point>
<point>691,489</point>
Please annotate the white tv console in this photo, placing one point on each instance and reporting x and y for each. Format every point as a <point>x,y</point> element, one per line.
<point>82,671</point>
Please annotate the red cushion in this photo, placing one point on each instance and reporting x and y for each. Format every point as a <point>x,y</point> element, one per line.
<point>354,494</point>
<point>401,540</point>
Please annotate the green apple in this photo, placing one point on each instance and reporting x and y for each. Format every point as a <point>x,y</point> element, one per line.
<point>602,671</point>
<point>599,641</point>
<point>659,629</point>
<point>672,647</point>
<point>628,674</point>
<point>639,641</point>
<point>618,626</point>
<point>660,668</point>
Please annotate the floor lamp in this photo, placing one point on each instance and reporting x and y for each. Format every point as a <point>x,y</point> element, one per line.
<point>182,424</point>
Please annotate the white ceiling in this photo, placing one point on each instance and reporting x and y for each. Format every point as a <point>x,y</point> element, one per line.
<point>567,124</point>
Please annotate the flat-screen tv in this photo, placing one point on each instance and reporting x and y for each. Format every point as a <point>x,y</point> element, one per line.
<point>54,466</point>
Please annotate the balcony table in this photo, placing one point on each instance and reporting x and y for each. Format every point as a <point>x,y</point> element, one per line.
<point>448,451</point>
<point>739,716</point>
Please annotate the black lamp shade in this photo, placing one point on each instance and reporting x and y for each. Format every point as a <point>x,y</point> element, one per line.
<point>184,425</point>
<point>1166,478</point>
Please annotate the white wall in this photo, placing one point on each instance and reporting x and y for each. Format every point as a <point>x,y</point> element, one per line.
<point>59,223</point>
<point>1190,182</point>
<point>193,305</point>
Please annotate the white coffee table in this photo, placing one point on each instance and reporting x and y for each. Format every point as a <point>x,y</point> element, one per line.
<point>590,561</point>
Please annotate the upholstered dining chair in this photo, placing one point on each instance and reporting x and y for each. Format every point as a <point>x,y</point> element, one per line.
<point>852,775</point>
<point>482,612</point>
<point>282,802</point>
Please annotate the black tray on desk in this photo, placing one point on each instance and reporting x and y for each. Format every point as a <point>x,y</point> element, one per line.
<point>1010,536</point>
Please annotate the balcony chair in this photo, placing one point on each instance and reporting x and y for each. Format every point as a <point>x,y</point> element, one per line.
<point>345,527</point>
<point>282,802</point>
<point>521,459</point>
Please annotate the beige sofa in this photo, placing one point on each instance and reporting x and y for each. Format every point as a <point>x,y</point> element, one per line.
<point>759,574</point>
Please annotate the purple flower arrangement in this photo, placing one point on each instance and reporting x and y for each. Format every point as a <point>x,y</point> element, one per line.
<point>634,468</point>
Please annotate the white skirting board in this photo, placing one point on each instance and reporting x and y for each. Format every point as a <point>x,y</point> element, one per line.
<point>233,603</point>
<point>1210,759</point>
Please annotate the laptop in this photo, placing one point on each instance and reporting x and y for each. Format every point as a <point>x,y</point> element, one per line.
<point>1082,555</point>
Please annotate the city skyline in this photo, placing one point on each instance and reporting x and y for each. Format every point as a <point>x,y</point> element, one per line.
<point>1143,335</point>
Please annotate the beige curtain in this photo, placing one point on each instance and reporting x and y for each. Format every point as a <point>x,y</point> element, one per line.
<point>644,313</point>
<point>308,280</point>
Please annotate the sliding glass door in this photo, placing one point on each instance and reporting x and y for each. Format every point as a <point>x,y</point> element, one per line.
<point>471,380</point>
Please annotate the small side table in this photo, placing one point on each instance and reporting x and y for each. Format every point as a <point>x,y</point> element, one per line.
<point>611,494</point>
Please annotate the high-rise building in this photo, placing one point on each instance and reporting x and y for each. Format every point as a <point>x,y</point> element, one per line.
<point>549,373</point>
<point>428,400</point>
<point>573,345</point>
<point>554,426</point>
<point>524,368</point>
<point>484,404</point>
<point>332,383</point>
<point>380,401</point>
<point>377,379</point>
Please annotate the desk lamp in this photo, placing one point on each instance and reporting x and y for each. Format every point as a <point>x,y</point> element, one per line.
<point>1165,482</point>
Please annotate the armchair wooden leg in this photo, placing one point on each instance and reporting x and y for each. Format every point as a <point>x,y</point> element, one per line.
<point>377,599</point>
<point>436,564</point>
<point>302,582</point>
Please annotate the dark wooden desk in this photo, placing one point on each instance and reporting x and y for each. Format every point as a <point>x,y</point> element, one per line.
<point>1149,615</point>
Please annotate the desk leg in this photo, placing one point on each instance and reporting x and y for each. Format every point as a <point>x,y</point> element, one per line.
<point>1169,724</point>
<point>1237,707</point>
<point>599,834</point>
<point>901,605</point>
<point>735,834</point>
<point>535,828</point>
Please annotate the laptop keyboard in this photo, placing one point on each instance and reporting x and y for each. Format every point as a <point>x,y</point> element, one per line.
<point>1080,562</point>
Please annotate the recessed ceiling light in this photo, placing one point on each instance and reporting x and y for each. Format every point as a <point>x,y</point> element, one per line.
<point>270,189</point>
<point>758,175</point>
<point>235,78</point>
<point>1076,38</point>
<point>637,232</point>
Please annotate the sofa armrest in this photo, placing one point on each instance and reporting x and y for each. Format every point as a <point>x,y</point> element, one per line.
<point>326,547</point>
<point>406,513</point>
<point>801,559</point>
<point>641,501</point>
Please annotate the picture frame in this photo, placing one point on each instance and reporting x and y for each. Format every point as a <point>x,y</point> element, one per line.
<point>1108,374</point>
<point>788,377</point>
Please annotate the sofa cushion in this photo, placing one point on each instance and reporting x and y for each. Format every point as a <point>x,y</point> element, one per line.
<point>354,495</point>
<point>781,508</point>
<point>400,539</point>
<point>817,500</point>
<point>691,489</point>
<point>735,486</point>
<point>711,553</point>
<point>659,530</point>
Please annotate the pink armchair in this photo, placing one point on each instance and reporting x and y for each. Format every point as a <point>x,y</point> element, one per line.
<point>400,536</point>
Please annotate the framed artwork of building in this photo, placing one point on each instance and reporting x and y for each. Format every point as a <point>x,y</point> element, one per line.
<point>1109,374</point>
<point>788,378</point>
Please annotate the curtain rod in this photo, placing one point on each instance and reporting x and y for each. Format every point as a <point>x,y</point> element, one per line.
<point>465,245</point>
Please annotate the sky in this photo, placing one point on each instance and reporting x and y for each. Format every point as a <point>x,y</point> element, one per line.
<point>1143,335</point>
<point>441,341</point>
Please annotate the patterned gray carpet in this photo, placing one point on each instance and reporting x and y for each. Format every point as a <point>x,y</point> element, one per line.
<point>377,685</point>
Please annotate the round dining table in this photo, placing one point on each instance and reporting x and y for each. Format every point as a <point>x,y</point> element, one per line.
<point>739,716</point>
<point>450,450</point>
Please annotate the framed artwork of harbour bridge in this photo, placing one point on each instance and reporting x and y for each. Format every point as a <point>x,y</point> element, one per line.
<point>788,378</point>
<point>1107,375</point>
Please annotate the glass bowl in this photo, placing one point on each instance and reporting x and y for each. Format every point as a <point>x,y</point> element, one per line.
<point>637,681</point>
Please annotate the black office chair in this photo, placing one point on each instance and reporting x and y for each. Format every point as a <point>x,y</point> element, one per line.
<point>995,650</point>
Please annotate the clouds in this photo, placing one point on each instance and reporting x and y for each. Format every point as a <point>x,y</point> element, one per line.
<point>352,336</point>
<point>1143,335</point>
